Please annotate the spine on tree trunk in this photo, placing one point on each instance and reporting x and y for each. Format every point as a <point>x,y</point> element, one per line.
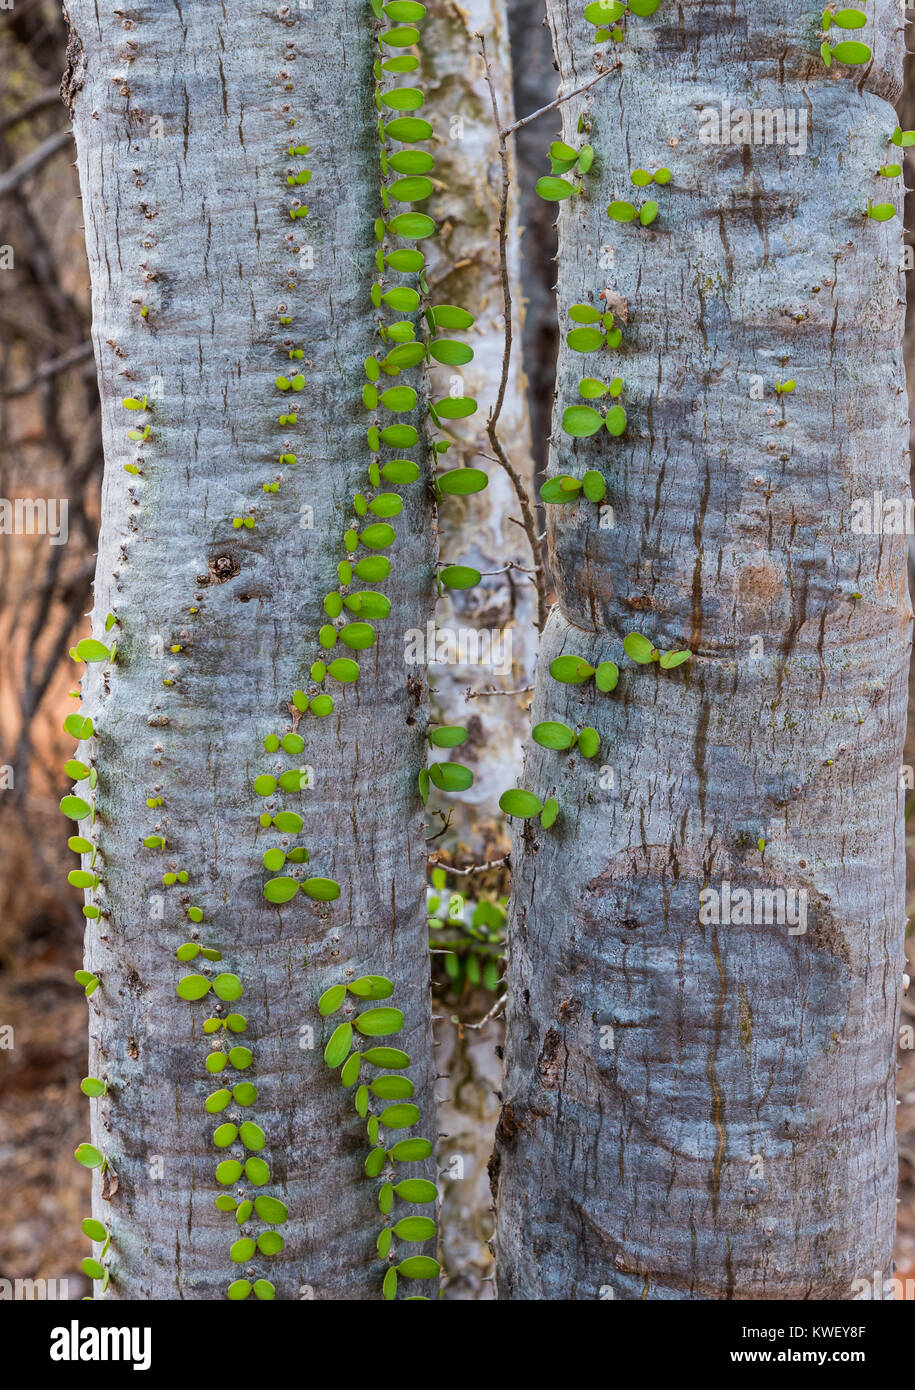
<point>706,948</point>
<point>246,784</point>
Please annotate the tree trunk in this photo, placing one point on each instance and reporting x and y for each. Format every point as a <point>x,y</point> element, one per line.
<point>476,530</point>
<point>702,1109</point>
<point>183,119</point>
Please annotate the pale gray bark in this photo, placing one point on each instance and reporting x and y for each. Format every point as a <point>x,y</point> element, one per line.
<point>476,530</point>
<point>464,269</point>
<point>736,1141</point>
<point>181,119</point>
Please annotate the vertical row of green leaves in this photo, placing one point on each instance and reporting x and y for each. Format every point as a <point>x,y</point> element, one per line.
<point>238,1137</point>
<point>383,1100</point>
<point>79,805</point>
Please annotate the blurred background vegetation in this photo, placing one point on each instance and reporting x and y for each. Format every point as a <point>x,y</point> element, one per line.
<point>50,447</point>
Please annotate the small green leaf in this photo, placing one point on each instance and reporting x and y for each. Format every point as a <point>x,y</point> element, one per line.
<point>376,1023</point>
<point>585,339</point>
<point>588,742</point>
<point>594,486</point>
<point>374,1162</point>
<point>280,890</point>
<point>371,987</point>
<point>571,670</point>
<point>551,734</point>
<point>193,987</point>
<point>850,19</point>
<point>271,1209</point>
<point>257,1171</point>
<point>668,660</point>
<point>227,988</point>
<point>584,313</point>
<point>606,676</point>
<point>581,421</point>
<point>392,1087</point>
<point>451,777</point>
<point>415,1228</point>
<point>90,650</point>
<point>459,577</point>
<point>399,1116</point>
<point>461,482</point>
<point>251,1135</point>
<point>520,803</point>
<point>411,1150</point>
<point>448,736</point>
<point>419,1267</point>
<point>321,890</point>
<point>851,53</point>
<point>416,1190</point>
<point>386,1057</point>
<point>338,1048</point>
<point>89,1156</point>
<point>639,648</point>
<point>331,1000</point>
<point>622,211</point>
<point>555,190</point>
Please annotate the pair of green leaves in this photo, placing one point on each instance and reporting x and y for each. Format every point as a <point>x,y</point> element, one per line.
<point>524,805</point>
<point>90,650</point>
<point>564,159</point>
<point>582,421</point>
<point>447,777</point>
<point>642,177</point>
<point>623,211</point>
<point>226,987</point>
<point>594,331</point>
<point>283,890</point>
<point>845,19</point>
<point>565,488</point>
<point>574,670</point>
<point>556,735</point>
<point>366,987</point>
<point>644,652</point>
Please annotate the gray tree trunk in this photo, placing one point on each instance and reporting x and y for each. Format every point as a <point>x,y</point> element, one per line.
<point>182,118</point>
<point>696,1110</point>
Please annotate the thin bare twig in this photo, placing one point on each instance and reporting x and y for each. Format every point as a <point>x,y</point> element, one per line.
<point>50,96</point>
<point>524,501</point>
<point>473,869</point>
<point>44,373</point>
<point>478,694</point>
<point>496,1008</point>
<point>535,115</point>
<point>33,161</point>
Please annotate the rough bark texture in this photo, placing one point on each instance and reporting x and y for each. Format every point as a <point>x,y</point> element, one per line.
<point>464,269</point>
<point>731,1136</point>
<point>476,530</point>
<point>182,123</point>
<point>535,86</point>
